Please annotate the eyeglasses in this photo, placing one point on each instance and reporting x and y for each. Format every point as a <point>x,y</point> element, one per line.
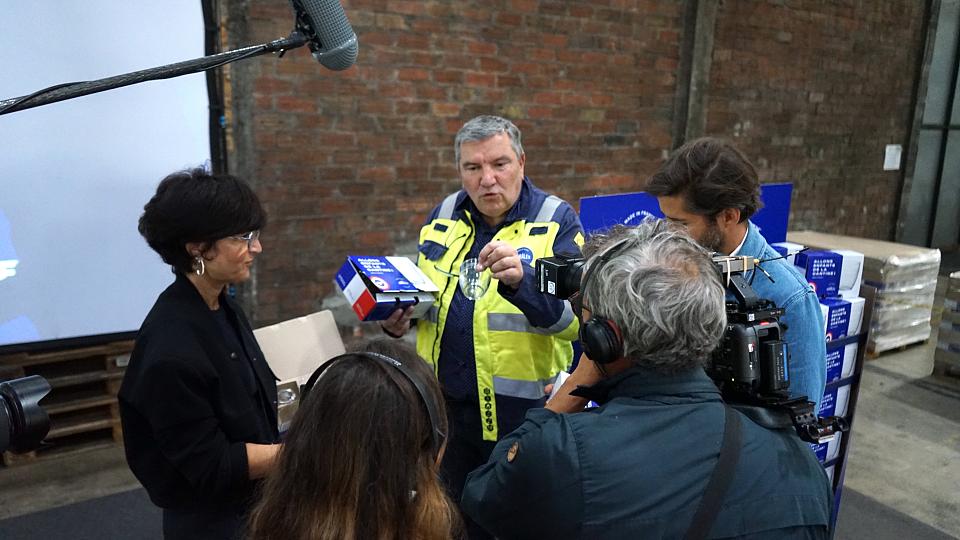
<point>249,237</point>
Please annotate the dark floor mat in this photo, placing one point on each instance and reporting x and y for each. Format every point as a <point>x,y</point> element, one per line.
<point>127,515</point>
<point>864,518</point>
<point>131,515</point>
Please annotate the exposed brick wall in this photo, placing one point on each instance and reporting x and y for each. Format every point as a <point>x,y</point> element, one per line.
<point>352,162</point>
<point>813,91</point>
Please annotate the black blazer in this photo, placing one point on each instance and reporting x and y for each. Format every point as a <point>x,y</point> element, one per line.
<point>188,404</point>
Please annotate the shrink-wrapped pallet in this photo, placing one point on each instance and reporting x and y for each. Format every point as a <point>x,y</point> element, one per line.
<point>905,279</point>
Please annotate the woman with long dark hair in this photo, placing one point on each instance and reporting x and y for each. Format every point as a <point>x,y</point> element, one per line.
<point>361,458</point>
<point>198,402</point>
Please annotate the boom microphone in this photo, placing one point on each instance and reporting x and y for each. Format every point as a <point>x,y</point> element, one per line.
<point>332,40</point>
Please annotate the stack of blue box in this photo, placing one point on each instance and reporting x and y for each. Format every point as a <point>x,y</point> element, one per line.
<point>835,276</point>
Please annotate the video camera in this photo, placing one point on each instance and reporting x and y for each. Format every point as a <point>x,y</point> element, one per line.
<point>750,367</point>
<point>23,423</point>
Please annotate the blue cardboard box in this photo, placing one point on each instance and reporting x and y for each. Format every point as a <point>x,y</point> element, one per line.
<point>828,450</point>
<point>378,286</point>
<point>851,273</point>
<point>841,317</point>
<point>835,401</point>
<point>822,271</point>
<point>788,250</point>
<point>841,361</point>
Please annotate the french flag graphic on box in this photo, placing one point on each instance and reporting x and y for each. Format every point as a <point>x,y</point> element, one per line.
<point>378,286</point>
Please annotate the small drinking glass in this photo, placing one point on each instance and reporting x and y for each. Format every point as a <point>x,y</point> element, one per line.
<point>474,283</point>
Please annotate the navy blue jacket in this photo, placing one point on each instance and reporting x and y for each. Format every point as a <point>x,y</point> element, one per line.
<point>637,467</point>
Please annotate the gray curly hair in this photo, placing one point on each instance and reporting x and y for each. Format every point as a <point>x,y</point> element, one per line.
<point>661,289</point>
<point>483,127</point>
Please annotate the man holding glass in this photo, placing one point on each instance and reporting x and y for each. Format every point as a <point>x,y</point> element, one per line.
<point>493,350</point>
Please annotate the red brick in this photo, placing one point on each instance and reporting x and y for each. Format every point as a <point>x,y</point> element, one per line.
<point>407,7</point>
<point>479,47</point>
<point>508,19</point>
<point>490,65</point>
<point>446,109</point>
<point>523,6</point>
<point>378,174</point>
<point>479,79</point>
<point>412,74</point>
<point>448,76</point>
<point>296,104</point>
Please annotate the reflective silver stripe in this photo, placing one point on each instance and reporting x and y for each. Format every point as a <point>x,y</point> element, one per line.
<point>548,208</point>
<point>565,319</point>
<point>512,322</point>
<point>432,314</point>
<point>517,322</point>
<point>446,208</point>
<point>519,389</point>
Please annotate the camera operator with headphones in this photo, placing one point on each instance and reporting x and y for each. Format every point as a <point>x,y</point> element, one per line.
<point>662,456</point>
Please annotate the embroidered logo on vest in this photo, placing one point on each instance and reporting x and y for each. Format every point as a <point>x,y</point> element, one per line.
<point>526,255</point>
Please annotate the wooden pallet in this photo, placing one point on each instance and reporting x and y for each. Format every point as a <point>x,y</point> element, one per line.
<point>82,403</point>
<point>873,355</point>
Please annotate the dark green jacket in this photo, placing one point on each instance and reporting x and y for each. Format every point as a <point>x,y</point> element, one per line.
<point>637,466</point>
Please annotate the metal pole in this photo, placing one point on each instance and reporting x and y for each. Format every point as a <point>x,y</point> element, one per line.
<point>945,136</point>
<point>73,90</point>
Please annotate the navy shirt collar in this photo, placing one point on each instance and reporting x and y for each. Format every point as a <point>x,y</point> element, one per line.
<point>641,383</point>
<point>519,209</point>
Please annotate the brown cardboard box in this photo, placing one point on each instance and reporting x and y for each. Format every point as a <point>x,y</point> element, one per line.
<point>295,349</point>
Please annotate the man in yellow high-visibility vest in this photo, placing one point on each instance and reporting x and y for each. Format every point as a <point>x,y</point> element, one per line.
<point>494,353</point>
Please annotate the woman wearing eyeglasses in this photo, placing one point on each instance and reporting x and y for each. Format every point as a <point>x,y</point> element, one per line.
<point>198,402</point>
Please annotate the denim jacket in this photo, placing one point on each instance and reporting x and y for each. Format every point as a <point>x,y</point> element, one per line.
<point>804,321</point>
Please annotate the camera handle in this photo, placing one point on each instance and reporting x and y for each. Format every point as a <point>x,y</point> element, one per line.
<point>796,413</point>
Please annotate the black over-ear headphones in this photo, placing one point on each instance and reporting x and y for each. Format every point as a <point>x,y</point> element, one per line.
<point>437,436</point>
<point>600,338</point>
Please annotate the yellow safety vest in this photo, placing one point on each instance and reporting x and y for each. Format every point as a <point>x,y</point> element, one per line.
<point>513,358</point>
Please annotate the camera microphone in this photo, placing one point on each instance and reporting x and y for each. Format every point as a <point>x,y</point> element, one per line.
<point>332,40</point>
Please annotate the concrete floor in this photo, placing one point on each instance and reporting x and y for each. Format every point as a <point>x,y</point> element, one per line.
<point>904,458</point>
<point>905,447</point>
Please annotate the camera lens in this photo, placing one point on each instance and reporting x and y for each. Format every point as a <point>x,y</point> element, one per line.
<point>572,279</point>
<point>23,423</point>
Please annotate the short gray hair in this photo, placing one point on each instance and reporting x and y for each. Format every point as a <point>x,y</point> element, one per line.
<point>663,292</point>
<point>482,128</point>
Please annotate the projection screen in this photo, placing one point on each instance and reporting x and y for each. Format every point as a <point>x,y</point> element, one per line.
<point>74,175</point>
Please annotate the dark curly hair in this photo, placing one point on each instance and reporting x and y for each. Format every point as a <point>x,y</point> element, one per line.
<point>711,175</point>
<point>195,205</point>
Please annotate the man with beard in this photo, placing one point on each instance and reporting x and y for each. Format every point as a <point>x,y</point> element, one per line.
<point>710,187</point>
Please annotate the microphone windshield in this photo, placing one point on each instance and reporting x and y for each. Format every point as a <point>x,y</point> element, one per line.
<point>332,40</point>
